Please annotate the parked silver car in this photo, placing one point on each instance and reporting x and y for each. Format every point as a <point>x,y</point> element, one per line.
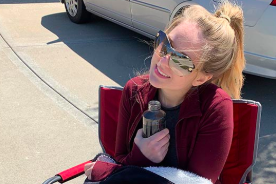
<point>147,17</point>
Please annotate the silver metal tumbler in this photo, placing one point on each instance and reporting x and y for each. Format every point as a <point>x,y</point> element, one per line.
<point>153,119</point>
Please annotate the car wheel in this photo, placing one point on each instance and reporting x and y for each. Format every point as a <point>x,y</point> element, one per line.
<point>76,11</point>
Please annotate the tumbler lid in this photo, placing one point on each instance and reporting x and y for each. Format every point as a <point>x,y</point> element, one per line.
<point>154,105</point>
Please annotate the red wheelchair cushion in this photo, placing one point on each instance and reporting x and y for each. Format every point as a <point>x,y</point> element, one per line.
<point>242,149</point>
<point>109,109</point>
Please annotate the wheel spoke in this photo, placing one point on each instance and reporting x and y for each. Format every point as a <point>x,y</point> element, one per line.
<point>72,7</point>
<point>74,10</point>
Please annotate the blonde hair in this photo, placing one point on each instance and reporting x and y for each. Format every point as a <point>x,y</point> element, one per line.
<point>223,53</point>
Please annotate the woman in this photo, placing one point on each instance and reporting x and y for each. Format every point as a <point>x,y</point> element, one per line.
<point>195,70</point>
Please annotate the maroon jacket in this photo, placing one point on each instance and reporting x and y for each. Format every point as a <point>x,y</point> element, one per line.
<point>203,132</point>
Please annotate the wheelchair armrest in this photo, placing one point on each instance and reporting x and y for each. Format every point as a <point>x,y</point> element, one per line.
<point>68,174</point>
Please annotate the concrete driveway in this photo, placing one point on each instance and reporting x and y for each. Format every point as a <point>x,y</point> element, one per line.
<point>50,72</point>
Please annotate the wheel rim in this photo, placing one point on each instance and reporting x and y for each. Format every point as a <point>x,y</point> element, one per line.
<point>72,7</point>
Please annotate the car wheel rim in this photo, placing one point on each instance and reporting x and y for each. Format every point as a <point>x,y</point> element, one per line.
<point>72,7</point>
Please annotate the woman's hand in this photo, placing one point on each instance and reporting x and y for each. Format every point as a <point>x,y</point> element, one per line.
<point>154,147</point>
<point>88,169</point>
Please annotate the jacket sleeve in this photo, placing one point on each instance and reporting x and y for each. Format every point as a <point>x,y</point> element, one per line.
<point>135,156</point>
<point>213,141</point>
<point>102,170</point>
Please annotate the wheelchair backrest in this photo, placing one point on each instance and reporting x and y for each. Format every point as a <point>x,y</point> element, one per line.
<point>243,152</point>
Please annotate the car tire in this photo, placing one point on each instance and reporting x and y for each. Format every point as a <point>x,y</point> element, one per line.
<point>76,11</point>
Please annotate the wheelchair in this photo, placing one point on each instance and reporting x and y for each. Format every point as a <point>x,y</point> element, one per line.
<point>241,158</point>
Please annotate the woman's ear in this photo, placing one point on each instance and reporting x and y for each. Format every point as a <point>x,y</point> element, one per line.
<point>201,78</point>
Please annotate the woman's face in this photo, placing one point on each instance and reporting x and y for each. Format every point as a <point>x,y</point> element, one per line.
<point>186,38</point>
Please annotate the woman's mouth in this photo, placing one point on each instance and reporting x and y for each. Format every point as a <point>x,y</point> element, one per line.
<point>160,73</point>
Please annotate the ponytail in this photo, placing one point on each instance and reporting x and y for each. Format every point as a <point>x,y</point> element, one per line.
<point>232,79</point>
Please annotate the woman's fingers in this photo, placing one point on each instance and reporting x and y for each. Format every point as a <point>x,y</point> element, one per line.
<point>88,169</point>
<point>164,151</point>
<point>164,141</point>
<point>139,134</point>
<point>88,173</point>
<point>155,147</point>
<point>164,147</point>
<point>88,165</point>
<point>159,135</point>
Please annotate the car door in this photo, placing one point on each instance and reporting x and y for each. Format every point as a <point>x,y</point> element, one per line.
<point>151,15</point>
<point>118,10</point>
<point>252,9</point>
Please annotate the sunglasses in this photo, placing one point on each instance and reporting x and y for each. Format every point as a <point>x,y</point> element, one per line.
<point>180,63</point>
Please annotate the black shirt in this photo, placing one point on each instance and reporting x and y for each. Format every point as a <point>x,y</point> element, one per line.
<point>171,120</point>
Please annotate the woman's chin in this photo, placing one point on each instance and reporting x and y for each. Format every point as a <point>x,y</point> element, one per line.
<point>154,81</point>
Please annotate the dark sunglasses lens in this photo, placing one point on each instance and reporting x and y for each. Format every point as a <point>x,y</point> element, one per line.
<point>181,65</point>
<point>166,47</point>
<point>159,39</point>
<point>156,42</point>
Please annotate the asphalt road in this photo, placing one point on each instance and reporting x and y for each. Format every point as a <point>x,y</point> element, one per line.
<point>73,60</point>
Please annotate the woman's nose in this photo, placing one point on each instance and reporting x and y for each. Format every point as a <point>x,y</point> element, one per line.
<point>165,60</point>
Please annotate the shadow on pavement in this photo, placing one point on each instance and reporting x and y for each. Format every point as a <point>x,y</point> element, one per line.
<point>265,168</point>
<point>26,1</point>
<point>115,51</point>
